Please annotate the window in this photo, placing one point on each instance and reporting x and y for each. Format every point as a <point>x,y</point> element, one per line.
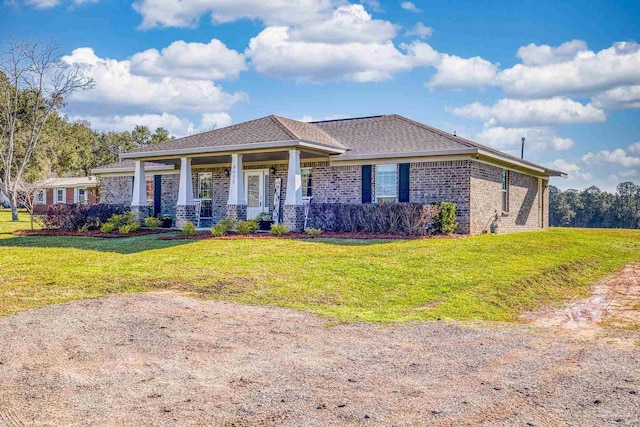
<point>205,194</point>
<point>307,174</point>
<point>386,184</point>
<point>83,196</point>
<point>205,183</point>
<point>505,191</point>
<point>41,197</point>
<point>60,195</point>
<point>149,189</point>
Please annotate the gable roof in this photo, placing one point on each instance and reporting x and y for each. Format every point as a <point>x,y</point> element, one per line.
<point>266,129</point>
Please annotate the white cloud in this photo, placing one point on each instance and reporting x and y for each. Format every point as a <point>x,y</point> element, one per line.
<point>573,170</point>
<point>587,73</point>
<point>617,156</point>
<point>347,24</point>
<point>453,72</point>
<point>536,139</point>
<point>116,86</point>
<point>407,5</point>
<point>618,98</point>
<point>274,54</point>
<point>175,125</point>
<point>214,120</point>
<point>513,112</point>
<point>635,148</point>
<point>535,55</point>
<point>199,61</point>
<point>187,13</point>
<point>420,30</point>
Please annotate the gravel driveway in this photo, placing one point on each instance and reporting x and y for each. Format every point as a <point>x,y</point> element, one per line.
<point>167,359</point>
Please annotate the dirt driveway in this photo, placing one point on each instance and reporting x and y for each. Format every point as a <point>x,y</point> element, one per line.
<point>167,359</point>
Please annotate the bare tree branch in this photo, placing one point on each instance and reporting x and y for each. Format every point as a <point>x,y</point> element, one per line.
<point>34,84</point>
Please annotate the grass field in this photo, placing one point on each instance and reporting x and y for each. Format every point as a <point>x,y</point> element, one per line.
<point>493,277</point>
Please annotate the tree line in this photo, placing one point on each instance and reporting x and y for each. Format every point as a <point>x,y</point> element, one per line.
<point>594,208</point>
<point>36,140</point>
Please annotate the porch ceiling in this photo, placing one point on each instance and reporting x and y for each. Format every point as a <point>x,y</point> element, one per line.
<point>222,159</point>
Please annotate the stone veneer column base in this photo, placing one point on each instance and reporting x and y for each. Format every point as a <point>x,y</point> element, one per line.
<point>293,217</point>
<point>140,213</point>
<point>185,213</point>
<point>239,211</point>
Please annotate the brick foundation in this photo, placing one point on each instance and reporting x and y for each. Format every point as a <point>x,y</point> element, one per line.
<point>239,211</point>
<point>293,217</point>
<point>185,213</point>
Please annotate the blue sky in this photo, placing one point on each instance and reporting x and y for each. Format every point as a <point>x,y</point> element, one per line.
<point>564,75</point>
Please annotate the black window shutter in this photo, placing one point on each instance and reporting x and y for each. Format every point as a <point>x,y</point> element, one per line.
<point>403,183</point>
<point>157,194</point>
<point>366,184</point>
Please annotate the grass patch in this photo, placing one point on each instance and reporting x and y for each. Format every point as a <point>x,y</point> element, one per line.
<point>483,277</point>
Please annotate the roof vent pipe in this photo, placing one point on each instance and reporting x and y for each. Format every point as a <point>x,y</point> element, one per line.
<point>522,149</point>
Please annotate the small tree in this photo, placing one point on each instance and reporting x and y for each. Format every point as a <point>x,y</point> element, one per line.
<point>27,198</point>
<point>34,84</point>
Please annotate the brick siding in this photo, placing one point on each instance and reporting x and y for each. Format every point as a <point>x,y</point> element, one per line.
<point>474,187</point>
<point>486,201</point>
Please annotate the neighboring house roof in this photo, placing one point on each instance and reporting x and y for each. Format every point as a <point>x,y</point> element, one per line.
<point>387,136</point>
<point>128,166</point>
<point>70,182</point>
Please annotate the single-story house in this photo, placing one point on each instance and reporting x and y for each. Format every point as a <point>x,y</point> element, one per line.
<point>68,190</point>
<point>274,164</point>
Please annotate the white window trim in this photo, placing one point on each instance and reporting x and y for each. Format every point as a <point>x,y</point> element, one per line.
<point>305,198</point>
<point>505,174</point>
<point>76,195</point>
<point>42,191</point>
<point>64,195</point>
<point>375,187</point>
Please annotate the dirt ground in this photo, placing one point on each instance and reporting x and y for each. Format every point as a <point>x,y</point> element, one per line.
<point>168,359</point>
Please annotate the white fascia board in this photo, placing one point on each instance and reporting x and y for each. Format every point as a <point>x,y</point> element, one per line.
<point>223,149</point>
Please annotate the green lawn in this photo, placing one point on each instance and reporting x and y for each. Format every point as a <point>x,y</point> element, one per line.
<point>482,277</point>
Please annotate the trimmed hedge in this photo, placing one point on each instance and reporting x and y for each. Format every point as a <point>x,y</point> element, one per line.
<point>415,219</point>
<point>75,217</point>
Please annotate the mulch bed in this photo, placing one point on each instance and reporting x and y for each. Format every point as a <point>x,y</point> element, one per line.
<point>92,233</point>
<point>325,235</point>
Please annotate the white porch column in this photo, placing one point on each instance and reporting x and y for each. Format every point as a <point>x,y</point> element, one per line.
<point>139,186</point>
<point>294,180</point>
<point>185,209</point>
<point>293,214</point>
<point>185,190</point>
<point>237,203</point>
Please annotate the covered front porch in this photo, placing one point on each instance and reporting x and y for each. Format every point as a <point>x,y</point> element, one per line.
<point>244,184</point>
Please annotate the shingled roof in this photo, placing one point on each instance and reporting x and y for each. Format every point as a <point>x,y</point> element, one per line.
<point>344,139</point>
<point>265,129</point>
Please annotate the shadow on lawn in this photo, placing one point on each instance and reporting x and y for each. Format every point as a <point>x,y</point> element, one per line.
<point>124,246</point>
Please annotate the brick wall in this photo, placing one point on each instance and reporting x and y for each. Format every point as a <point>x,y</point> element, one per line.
<point>117,189</point>
<point>443,182</point>
<point>474,187</point>
<point>486,200</point>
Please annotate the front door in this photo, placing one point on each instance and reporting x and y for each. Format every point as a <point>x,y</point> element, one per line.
<point>255,185</point>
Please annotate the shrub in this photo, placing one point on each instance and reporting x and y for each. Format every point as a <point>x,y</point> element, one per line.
<point>313,232</point>
<point>279,229</point>
<point>188,229</point>
<point>83,229</point>
<point>446,221</point>
<point>107,228</point>
<point>246,227</point>
<point>263,216</point>
<point>152,222</point>
<point>228,223</point>
<point>399,218</point>
<point>125,229</point>
<point>75,217</point>
<point>217,231</point>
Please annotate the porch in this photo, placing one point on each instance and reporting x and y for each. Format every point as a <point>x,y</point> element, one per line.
<point>241,184</point>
